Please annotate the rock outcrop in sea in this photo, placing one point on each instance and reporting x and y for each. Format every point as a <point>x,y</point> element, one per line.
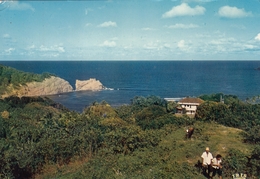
<point>18,83</point>
<point>49,86</point>
<point>91,84</point>
<point>52,85</point>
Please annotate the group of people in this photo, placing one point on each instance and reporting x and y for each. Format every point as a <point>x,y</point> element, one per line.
<point>211,165</point>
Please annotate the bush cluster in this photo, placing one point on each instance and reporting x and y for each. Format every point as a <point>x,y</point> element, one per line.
<point>129,141</point>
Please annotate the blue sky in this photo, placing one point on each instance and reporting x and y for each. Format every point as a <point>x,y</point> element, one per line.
<point>130,30</point>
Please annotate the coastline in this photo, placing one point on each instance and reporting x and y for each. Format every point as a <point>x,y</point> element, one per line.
<point>167,79</point>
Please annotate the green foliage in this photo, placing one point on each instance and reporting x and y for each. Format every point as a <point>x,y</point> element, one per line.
<point>204,111</point>
<point>235,162</point>
<point>131,141</point>
<point>228,99</point>
<point>171,106</point>
<point>147,118</point>
<point>155,117</point>
<point>34,134</point>
<point>254,164</point>
<point>236,114</point>
<point>125,140</point>
<point>253,100</point>
<point>126,112</point>
<point>140,140</point>
<point>141,101</point>
<point>253,135</point>
<point>100,111</point>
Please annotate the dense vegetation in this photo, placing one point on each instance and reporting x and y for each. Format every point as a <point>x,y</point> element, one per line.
<point>11,76</point>
<point>145,139</point>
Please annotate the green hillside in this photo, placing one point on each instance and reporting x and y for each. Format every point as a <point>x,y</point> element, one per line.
<point>12,77</point>
<point>173,157</point>
<point>41,139</point>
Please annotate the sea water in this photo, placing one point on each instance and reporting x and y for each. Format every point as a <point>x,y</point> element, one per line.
<point>166,79</point>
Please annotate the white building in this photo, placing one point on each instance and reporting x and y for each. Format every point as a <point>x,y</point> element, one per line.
<point>189,104</point>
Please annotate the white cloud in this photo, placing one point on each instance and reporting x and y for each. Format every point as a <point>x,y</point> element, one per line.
<point>182,26</point>
<point>9,50</point>
<point>233,12</point>
<point>184,10</point>
<point>61,49</point>
<point>88,25</point>
<point>31,47</point>
<point>55,48</point>
<point>167,45</point>
<point>15,5</point>
<point>44,51</point>
<point>249,46</point>
<point>156,45</point>
<point>151,46</point>
<point>228,45</point>
<point>181,44</point>
<point>114,39</point>
<point>108,24</point>
<point>147,29</point>
<point>257,37</point>
<point>223,41</point>
<point>87,10</point>
<point>6,36</point>
<point>186,46</point>
<point>108,43</point>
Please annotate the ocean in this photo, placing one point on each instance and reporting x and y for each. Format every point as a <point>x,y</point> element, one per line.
<point>166,79</point>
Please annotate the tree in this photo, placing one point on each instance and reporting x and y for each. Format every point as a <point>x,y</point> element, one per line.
<point>204,111</point>
<point>147,117</point>
<point>254,162</point>
<point>148,101</point>
<point>235,162</point>
<point>253,135</point>
<point>171,106</point>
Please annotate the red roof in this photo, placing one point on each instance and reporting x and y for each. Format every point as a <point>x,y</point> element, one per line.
<point>191,100</point>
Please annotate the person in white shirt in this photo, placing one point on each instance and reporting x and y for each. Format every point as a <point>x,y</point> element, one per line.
<point>206,162</point>
<point>217,167</point>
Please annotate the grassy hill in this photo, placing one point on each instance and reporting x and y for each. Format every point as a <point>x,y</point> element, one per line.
<point>42,139</point>
<point>173,157</point>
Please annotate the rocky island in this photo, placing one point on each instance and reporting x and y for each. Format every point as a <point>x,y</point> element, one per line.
<point>91,84</point>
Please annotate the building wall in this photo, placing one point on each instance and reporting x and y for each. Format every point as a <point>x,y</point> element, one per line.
<point>189,107</point>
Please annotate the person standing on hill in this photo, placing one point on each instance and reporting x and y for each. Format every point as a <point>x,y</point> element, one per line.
<point>189,132</point>
<point>217,167</point>
<point>206,162</point>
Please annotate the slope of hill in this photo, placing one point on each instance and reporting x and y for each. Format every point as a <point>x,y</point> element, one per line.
<point>173,157</point>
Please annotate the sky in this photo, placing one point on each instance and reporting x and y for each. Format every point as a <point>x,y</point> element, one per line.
<point>129,30</point>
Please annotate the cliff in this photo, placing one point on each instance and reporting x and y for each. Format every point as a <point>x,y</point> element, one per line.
<point>49,86</point>
<point>18,83</point>
<point>91,84</point>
